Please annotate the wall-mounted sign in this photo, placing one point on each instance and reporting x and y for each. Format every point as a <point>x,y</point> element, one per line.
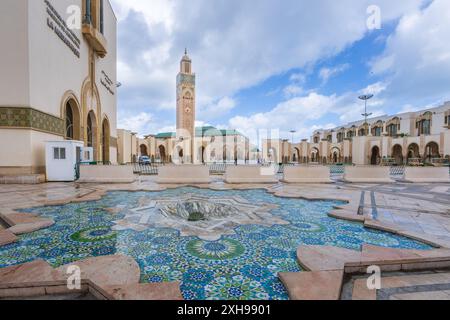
<point>107,82</point>
<point>59,26</point>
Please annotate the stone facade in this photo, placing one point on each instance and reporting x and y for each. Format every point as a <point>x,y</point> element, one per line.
<point>188,144</point>
<point>57,81</point>
<point>211,145</point>
<point>413,138</point>
<point>186,108</point>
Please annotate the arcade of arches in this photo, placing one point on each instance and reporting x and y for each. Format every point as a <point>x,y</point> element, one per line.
<point>413,153</point>
<point>399,154</point>
<point>99,140</point>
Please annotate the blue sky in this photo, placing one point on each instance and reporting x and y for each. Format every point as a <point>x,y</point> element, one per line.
<point>291,64</point>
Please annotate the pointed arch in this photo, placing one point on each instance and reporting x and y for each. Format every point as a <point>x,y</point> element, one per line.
<point>90,102</point>
<point>105,139</point>
<point>71,113</point>
<point>92,132</point>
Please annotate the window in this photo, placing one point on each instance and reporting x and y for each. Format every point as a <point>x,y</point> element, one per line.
<point>377,131</point>
<point>102,27</point>
<point>59,153</point>
<point>87,12</point>
<point>392,130</point>
<point>350,134</point>
<point>423,124</point>
<point>330,138</point>
<point>424,127</point>
<point>94,14</point>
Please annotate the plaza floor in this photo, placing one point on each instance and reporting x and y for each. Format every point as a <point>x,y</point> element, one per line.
<point>420,212</point>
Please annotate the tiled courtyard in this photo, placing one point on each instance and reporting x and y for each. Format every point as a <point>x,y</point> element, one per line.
<point>416,217</point>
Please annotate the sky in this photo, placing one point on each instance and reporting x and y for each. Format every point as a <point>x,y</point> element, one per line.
<point>284,65</point>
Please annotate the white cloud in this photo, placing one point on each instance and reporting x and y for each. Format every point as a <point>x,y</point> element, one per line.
<point>217,109</point>
<point>237,44</point>
<point>298,78</point>
<point>375,88</point>
<point>326,73</point>
<point>138,123</point>
<point>417,57</point>
<point>292,114</point>
<point>292,91</point>
<point>234,44</point>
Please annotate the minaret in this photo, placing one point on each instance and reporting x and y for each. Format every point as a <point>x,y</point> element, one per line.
<point>186,103</point>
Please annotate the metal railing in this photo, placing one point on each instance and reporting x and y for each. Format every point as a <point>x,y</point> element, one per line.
<point>397,171</point>
<point>146,169</point>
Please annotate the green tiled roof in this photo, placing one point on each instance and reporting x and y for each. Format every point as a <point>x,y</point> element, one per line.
<point>202,132</point>
<point>165,135</point>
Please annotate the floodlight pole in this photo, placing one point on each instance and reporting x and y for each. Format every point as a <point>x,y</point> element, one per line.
<point>293,132</point>
<point>365,98</point>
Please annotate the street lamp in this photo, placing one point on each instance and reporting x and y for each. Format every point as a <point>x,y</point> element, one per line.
<point>293,132</point>
<point>366,97</point>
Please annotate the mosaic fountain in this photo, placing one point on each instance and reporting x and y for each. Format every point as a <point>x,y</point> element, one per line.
<point>219,244</point>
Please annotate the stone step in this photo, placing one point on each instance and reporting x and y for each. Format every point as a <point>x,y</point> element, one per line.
<point>326,258</point>
<point>146,291</point>
<point>7,237</point>
<point>23,179</point>
<point>317,285</point>
<point>110,270</point>
<point>38,224</point>
<point>30,273</point>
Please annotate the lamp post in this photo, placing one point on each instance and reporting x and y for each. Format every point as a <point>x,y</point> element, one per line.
<point>365,98</point>
<point>293,132</point>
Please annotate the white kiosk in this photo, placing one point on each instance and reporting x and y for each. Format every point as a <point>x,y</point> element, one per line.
<point>62,157</point>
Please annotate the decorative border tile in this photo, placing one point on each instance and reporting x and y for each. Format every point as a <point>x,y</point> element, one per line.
<point>26,117</point>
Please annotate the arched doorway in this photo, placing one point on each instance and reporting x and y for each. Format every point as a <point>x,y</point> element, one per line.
<point>180,153</point>
<point>144,150</point>
<point>224,153</point>
<point>413,152</point>
<point>315,156</point>
<point>335,155</point>
<point>272,154</point>
<point>162,154</point>
<point>397,154</point>
<point>431,152</point>
<point>91,129</point>
<point>105,140</point>
<point>72,118</point>
<point>375,158</point>
<point>297,157</point>
<point>201,156</point>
